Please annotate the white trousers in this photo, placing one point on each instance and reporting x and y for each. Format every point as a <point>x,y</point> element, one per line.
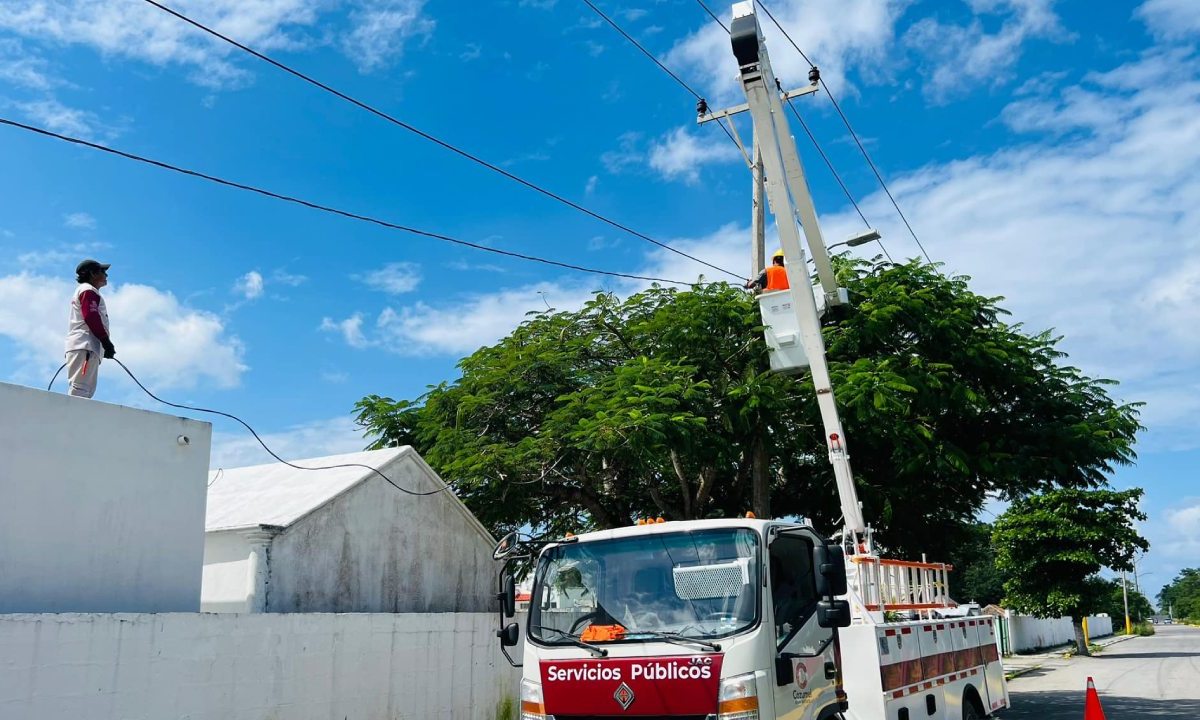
<point>83,369</point>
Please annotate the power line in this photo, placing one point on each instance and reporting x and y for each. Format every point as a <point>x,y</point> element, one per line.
<point>431,138</point>
<point>836,176</point>
<point>701,102</point>
<point>271,452</point>
<point>854,135</point>
<point>329,209</point>
<point>816,144</point>
<point>712,15</point>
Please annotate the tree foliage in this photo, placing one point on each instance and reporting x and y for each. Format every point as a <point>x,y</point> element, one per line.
<point>1051,545</point>
<point>1182,595</point>
<point>663,404</point>
<point>976,577</point>
<point>1114,603</point>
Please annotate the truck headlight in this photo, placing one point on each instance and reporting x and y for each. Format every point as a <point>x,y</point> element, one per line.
<point>532,705</point>
<point>738,699</point>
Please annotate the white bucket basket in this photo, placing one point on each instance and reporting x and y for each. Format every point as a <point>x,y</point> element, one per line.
<point>782,332</point>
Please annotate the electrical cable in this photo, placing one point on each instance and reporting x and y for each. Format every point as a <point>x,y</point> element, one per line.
<point>271,452</point>
<point>836,176</point>
<point>712,15</point>
<point>333,210</point>
<point>701,102</point>
<point>861,148</point>
<point>437,141</point>
<point>816,144</point>
<point>56,372</point>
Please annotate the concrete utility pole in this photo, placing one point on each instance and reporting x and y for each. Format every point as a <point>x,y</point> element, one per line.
<point>1125,594</point>
<point>758,216</point>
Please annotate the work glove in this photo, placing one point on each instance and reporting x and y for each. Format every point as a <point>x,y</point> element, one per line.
<point>109,349</point>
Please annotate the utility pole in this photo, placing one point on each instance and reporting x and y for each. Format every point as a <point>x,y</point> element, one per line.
<point>758,215</point>
<point>1125,594</point>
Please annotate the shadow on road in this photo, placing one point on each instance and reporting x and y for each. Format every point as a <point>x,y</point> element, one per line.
<point>1069,706</point>
<point>1140,656</point>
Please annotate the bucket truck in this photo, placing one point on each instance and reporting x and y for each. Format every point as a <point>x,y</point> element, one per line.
<point>747,618</point>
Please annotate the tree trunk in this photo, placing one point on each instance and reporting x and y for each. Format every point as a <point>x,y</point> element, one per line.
<point>1080,642</point>
<point>760,480</point>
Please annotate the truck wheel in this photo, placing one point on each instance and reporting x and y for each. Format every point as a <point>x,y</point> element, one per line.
<point>970,711</point>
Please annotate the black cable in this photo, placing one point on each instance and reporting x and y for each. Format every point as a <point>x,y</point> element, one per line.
<point>637,45</point>
<point>56,372</point>
<point>854,135</point>
<point>836,176</point>
<point>332,210</point>
<point>271,452</point>
<point>716,19</point>
<point>438,141</point>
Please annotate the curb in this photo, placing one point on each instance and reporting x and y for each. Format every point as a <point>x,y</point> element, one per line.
<point>1019,672</point>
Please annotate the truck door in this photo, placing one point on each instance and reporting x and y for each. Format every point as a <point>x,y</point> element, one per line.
<point>804,651</point>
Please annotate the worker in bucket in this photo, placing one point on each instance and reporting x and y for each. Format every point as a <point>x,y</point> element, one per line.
<point>87,335</point>
<point>773,278</point>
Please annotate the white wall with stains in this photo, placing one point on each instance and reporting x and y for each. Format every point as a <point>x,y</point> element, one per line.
<point>101,506</point>
<point>310,666</point>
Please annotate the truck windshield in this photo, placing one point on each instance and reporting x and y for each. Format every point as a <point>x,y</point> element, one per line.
<point>702,584</point>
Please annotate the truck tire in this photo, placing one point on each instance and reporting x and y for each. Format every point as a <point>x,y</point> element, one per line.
<point>971,710</point>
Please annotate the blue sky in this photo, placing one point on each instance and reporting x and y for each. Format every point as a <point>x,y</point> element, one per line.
<point>1048,149</point>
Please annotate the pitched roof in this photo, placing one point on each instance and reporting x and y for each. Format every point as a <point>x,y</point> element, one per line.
<point>279,495</point>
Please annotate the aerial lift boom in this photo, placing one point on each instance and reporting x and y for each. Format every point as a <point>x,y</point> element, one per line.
<point>791,201</point>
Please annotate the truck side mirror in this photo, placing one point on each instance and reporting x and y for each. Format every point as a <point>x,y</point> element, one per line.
<point>508,595</point>
<point>509,635</point>
<point>506,546</point>
<point>833,614</point>
<point>829,568</point>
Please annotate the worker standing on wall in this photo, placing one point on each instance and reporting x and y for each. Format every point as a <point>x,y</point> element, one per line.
<point>87,334</point>
<point>773,278</point>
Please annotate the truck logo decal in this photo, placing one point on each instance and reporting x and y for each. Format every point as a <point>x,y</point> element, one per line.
<point>624,696</point>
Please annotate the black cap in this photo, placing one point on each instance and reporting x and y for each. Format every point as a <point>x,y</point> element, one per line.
<point>90,266</point>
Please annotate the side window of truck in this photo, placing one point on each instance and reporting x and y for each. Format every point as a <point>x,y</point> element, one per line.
<point>794,596</point>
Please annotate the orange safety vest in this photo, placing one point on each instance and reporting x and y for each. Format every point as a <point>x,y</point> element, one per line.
<point>777,278</point>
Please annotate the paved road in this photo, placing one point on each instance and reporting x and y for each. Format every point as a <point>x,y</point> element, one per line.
<point>1153,678</point>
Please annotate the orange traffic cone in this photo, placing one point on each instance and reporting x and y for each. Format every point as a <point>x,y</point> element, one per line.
<point>1091,706</point>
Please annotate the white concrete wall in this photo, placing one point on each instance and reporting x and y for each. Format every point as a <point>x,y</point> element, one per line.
<point>101,509</point>
<point>374,549</point>
<point>228,582</point>
<point>251,667</point>
<point>1028,633</point>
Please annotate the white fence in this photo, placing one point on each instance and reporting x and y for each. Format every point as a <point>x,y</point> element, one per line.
<point>1022,632</point>
<point>251,667</point>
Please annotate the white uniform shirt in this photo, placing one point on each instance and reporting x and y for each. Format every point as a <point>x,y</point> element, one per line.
<point>79,335</point>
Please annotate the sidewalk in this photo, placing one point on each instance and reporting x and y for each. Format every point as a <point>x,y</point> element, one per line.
<point>1018,665</point>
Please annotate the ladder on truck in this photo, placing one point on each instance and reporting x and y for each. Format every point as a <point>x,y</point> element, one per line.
<point>876,585</point>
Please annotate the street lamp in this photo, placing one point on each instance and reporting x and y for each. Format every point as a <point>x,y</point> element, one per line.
<point>864,237</point>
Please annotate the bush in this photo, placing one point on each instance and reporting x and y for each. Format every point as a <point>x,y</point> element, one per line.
<point>506,709</point>
<point>1143,629</point>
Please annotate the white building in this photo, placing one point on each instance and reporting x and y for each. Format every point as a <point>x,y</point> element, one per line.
<point>283,540</point>
<point>101,506</point>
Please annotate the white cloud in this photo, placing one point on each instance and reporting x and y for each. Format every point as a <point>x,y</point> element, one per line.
<point>590,186</point>
<point>1094,237</point>
<point>79,221</point>
<point>54,115</point>
<point>680,154</point>
<point>283,277</point>
<point>627,154</point>
<point>381,29</point>
<point>250,285</point>
<point>21,68</point>
<point>1171,19</point>
<point>376,34</point>
<point>350,329</point>
<point>835,34</point>
<point>167,344</point>
<point>236,448</point>
<point>1182,536</point>
<point>394,278</point>
<point>964,55</point>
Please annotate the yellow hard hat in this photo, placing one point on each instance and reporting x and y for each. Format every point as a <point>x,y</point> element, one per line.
<point>778,253</point>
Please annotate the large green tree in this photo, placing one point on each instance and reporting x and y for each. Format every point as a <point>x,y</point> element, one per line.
<point>1114,603</point>
<point>663,404</point>
<point>1182,596</point>
<point>976,577</point>
<point>1051,545</point>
